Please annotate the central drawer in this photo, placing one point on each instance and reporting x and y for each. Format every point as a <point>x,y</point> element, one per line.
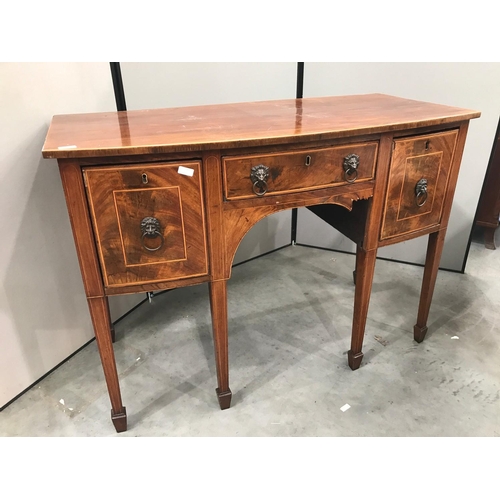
<point>252,176</point>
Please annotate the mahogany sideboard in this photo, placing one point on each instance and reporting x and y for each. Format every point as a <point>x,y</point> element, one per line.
<point>160,199</point>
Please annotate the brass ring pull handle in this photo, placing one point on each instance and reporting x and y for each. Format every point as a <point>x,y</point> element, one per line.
<point>259,175</point>
<point>421,192</point>
<point>150,227</point>
<point>350,165</point>
<point>260,188</point>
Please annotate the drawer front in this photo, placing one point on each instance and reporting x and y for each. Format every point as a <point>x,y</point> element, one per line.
<point>297,171</point>
<point>149,222</point>
<point>418,179</point>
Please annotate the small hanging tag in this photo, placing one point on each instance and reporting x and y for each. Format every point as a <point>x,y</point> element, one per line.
<point>185,171</point>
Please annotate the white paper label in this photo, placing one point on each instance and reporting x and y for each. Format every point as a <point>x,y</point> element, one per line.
<point>67,147</point>
<point>185,171</point>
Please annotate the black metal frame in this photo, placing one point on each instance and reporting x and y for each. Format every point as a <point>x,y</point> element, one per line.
<point>299,94</point>
<point>116,75</point>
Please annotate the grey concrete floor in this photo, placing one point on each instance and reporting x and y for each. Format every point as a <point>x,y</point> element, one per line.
<point>290,315</point>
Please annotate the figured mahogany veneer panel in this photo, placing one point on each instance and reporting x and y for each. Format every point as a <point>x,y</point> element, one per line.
<point>122,197</point>
<point>426,157</point>
<point>134,205</point>
<point>297,171</point>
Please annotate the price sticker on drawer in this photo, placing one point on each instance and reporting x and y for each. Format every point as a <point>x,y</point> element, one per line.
<point>185,171</point>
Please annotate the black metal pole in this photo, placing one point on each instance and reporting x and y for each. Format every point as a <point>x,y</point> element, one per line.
<point>300,80</point>
<point>298,95</point>
<point>116,75</point>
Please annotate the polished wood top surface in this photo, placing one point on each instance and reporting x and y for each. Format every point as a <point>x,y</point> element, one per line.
<point>223,126</point>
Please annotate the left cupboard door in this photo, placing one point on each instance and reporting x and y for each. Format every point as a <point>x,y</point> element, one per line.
<point>149,221</point>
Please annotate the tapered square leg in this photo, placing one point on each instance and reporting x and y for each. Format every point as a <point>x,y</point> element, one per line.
<point>365,267</point>
<point>432,259</point>
<point>100,319</point>
<point>218,306</point>
<point>74,190</point>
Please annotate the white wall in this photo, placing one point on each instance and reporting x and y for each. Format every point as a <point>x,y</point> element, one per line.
<point>468,85</point>
<point>43,310</point>
<point>157,85</point>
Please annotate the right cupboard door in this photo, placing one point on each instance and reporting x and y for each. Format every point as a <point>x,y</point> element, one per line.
<point>418,179</point>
